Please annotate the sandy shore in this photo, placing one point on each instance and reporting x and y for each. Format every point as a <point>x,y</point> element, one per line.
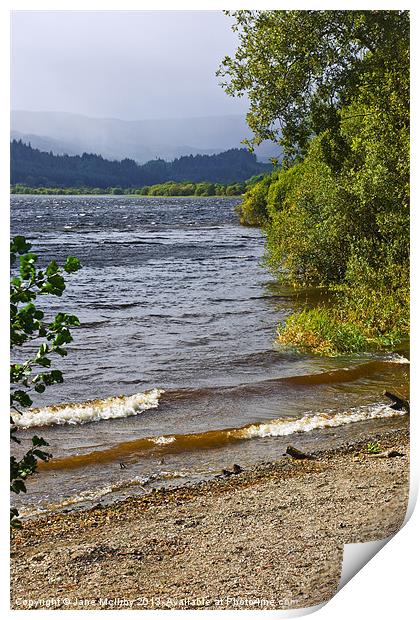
<point>270,537</point>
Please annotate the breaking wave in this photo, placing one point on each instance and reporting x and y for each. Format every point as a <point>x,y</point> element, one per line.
<point>314,421</point>
<point>163,440</point>
<point>192,442</point>
<point>396,358</point>
<point>89,411</point>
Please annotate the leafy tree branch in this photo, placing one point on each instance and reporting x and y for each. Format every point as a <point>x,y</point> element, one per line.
<point>28,324</point>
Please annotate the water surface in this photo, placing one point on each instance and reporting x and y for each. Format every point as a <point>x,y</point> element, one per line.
<point>172,296</point>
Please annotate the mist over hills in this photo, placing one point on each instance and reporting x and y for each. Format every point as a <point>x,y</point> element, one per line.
<point>74,134</point>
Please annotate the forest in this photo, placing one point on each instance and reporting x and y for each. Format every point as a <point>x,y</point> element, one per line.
<point>35,168</point>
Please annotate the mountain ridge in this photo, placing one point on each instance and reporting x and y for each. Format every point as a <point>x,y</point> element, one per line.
<point>141,140</point>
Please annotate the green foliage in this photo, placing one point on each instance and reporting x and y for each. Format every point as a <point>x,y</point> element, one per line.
<point>41,339</point>
<point>337,213</point>
<point>21,469</point>
<point>170,188</point>
<point>253,209</point>
<point>34,168</point>
<point>298,68</point>
<point>321,331</point>
<point>374,447</point>
<point>186,188</point>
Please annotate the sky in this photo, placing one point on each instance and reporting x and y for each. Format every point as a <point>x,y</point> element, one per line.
<point>131,65</point>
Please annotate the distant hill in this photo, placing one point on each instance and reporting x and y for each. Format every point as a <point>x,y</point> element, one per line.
<point>35,168</point>
<point>45,144</point>
<point>142,141</point>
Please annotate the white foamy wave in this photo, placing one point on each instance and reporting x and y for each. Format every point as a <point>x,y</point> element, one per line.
<point>163,440</point>
<point>313,421</point>
<point>89,411</point>
<point>396,358</point>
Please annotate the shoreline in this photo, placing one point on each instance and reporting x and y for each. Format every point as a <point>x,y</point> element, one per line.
<point>272,533</point>
<point>122,195</point>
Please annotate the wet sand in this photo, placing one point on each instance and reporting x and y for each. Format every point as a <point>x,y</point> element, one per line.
<point>267,538</point>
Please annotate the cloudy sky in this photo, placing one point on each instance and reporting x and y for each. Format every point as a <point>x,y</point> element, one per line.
<point>122,64</point>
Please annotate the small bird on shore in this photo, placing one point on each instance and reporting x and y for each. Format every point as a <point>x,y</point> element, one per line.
<point>123,466</point>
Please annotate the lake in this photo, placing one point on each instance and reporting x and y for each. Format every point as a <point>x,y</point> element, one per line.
<point>176,352</point>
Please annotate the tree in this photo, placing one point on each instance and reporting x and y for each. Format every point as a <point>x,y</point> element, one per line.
<point>37,169</point>
<point>333,88</point>
<point>299,68</point>
<point>35,336</point>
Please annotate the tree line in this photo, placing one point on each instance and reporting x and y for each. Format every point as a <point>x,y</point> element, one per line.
<point>34,168</point>
<point>170,188</point>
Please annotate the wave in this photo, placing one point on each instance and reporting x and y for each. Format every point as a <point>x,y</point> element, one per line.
<point>132,242</point>
<point>315,421</point>
<point>341,375</point>
<point>396,358</point>
<point>116,306</point>
<point>90,496</point>
<point>126,406</point>
<point>146,447</point>
<point>89,411</point>
<point>163,439</point>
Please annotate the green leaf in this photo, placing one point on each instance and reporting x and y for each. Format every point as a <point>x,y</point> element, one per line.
<point>56,376</point>
<point>43,361</point>
<point>22,398</point>
<point>52,268</point>
<point>44,456</point>
<point>18,486</point>
<point>39,441</point>
<point>19,245</point>
<point>72,264</point>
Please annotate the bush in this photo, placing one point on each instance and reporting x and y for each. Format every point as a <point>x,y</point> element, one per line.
<point>252,210</point>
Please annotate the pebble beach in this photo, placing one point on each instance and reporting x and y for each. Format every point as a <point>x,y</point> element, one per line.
<point>270,537</point>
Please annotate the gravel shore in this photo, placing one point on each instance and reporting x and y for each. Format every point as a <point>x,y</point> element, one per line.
<point>267,538</point>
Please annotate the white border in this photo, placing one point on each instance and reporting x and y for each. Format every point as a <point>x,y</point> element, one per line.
<point>387,586</point>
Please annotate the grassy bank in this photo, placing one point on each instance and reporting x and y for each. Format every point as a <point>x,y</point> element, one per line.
<point>333,330</point>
